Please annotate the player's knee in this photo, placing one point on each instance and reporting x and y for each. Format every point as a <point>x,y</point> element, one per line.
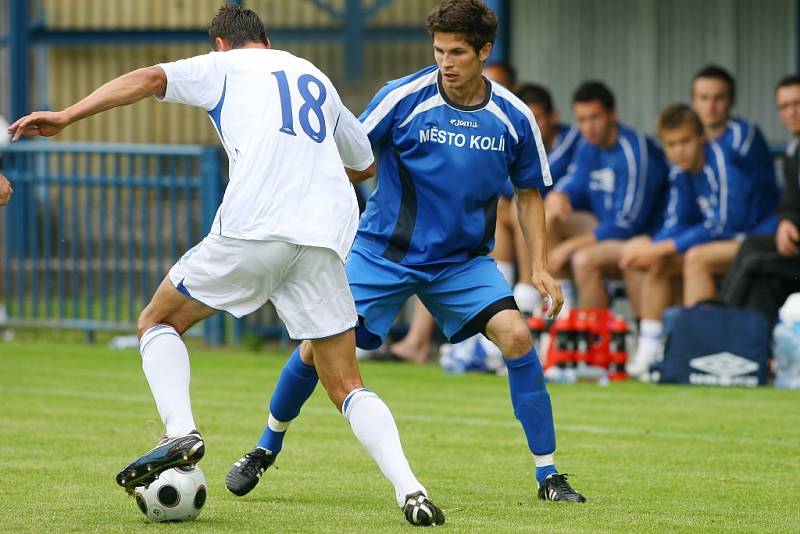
<point>694,261</point>
<point>149,318</point>
<point>306,354</point>
<point>516,341</point>
<point>145,322</point>
<point>582,263</point>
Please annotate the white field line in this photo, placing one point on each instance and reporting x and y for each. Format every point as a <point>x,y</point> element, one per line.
<point>481,422</point>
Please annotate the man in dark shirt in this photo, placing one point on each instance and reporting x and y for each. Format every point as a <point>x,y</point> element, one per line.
<point>767,268</point>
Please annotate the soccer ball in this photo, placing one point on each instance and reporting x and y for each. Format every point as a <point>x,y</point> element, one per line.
<point>178,494</point>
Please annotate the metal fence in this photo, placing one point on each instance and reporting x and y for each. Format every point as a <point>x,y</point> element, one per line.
<point>93,229</point>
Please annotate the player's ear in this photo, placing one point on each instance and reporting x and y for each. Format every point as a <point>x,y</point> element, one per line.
<point>485,52</point>
<point>221,45</point>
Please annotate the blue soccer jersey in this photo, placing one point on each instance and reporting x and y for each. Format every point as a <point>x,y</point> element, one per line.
<point>750,152</point>
<point>622,185</point>
<point>441,167</point>
<point>563,150</point>
<point>559,157</point>
<point>719,202</point>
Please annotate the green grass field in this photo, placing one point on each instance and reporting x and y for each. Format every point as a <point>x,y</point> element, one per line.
<point>648,458</point>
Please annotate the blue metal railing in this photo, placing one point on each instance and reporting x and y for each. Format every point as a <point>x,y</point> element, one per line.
<point>93,229</point>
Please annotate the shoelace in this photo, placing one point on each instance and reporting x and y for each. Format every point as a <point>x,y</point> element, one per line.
<point>252,464</point>
<point>561,485</point>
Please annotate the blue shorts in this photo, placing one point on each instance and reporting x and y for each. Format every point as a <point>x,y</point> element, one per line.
<point>462,297</point>
<point>507,191</point>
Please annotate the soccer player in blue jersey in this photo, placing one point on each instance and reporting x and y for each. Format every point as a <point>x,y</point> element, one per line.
<point>610,195</point>
<point>711,199</point>
<point>448,139</point>
<point>713,95</point>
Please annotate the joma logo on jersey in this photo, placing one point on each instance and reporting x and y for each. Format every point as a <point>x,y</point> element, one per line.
<point>477,142</point>
<point>461,122</point>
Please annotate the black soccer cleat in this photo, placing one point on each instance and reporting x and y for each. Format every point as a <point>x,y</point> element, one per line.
<point>421,512</point>
<point>556,488</point>
<point>245,474</point>
<point>170,452</point>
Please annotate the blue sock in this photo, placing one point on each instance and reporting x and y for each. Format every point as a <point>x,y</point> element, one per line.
<point>294,387</point>
<point>533,410</point>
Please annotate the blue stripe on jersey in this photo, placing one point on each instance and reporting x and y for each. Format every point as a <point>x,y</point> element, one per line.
<point>406,218</point>
<point>749,151</point>
<point>563,150</point>
<point>216,113</point>
<point>440,169</point>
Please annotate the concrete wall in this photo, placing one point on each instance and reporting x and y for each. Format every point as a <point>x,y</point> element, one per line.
<point>648,50</point>
<point>62,74</point>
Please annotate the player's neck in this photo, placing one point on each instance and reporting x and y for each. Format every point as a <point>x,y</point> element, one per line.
<point>713,132</point>
<point>612,137</point>
<point>470,94</point>
<point>697,166</point>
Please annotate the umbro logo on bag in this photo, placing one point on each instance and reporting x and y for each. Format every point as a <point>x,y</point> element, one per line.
<point>723,369</point>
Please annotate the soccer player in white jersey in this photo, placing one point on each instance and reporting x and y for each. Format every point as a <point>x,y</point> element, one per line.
<point>448,140</point>
<point>285,226</point>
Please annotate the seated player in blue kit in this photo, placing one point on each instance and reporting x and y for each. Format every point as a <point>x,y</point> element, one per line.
<point>712,198</point>
<point>612,193</point>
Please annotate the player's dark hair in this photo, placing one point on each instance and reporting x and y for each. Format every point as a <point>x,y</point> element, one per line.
<point>471,18</point>
<point>531,93</point>
<point>788,81</point>
<point>676,115</point>
<point>511,72</point>
<point>594,91</point>
<point>717,73</point>
<point>238,26</point>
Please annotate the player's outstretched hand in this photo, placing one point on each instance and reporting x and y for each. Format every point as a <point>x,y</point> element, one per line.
<point>44,123</point>
<point>5,190</point>
<point>549,290</point>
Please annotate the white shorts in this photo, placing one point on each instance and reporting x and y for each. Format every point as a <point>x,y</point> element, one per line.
<point>307,285</point>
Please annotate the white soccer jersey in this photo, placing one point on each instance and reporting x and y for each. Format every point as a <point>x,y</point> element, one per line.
<point>287,134</point>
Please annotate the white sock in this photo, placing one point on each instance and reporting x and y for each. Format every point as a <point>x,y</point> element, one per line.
<point>649,340</point>
<point>506,268</point>
<point>374,426</point>
<point>165,361</point>
<point>527,298</point>
<point>570,295</point>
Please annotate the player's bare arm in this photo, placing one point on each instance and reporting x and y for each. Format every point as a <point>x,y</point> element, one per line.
<point>359,176</point>
<point>530,208</point>
<point>122,91</point>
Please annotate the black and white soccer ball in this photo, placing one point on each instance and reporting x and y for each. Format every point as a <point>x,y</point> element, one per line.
<point>178,494</point>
